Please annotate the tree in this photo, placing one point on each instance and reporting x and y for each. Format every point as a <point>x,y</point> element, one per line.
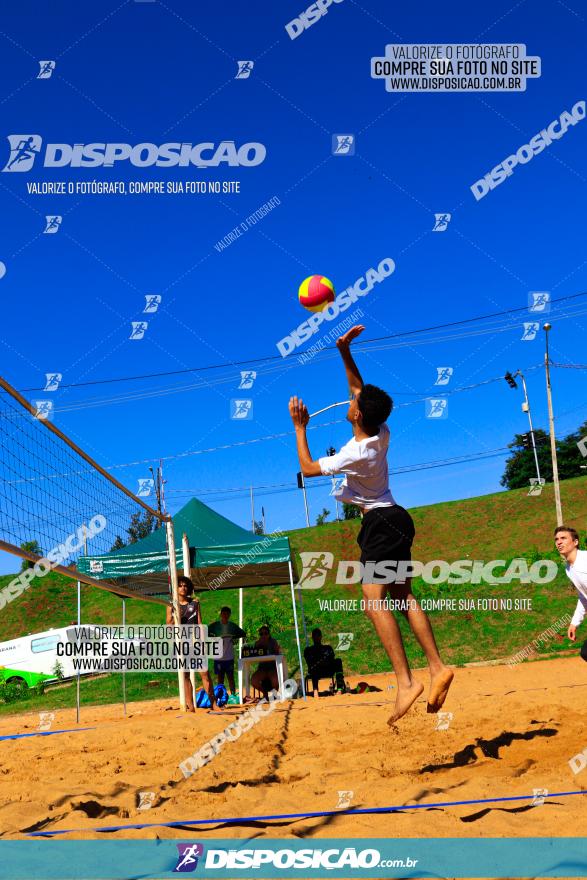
<point>141,525</point>
<point>30,547</point>
<point>520,466</point>
<point>350,511</point>
<point>322,517</point>
<point>569,455</point>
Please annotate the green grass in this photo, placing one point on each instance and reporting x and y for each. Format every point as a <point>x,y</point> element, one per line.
<point>498,526</point>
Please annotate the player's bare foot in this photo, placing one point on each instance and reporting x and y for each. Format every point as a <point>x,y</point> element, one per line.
<point>439,685</point>
<point>405,698</point>
<point>215,708</point>
<point>316,694</point>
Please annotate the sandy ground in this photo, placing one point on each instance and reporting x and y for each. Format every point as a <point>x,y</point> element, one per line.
<point>513,730</point>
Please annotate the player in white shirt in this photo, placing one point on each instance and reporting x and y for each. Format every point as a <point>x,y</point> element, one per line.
<point>387,529</point>
<point>567,544</point>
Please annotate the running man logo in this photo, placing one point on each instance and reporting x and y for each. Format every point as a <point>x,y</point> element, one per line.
<point>245,68</point>
<point>188,855</point>
<point>539,796</point>
<point>146,799</point>
<point>536,486</point>
<point>343,145</point>
<point>578,762</point>
<point>344,800</point>
<point>152,303</point>
<point>247,378</point>
<point>441,222</point>
<point>46,69</point>
<point>315,567</point>
<point>43,409</point>
<point>138,329</point>
<point>436,408</point>
<point>46,720</point>
<point>530,331</point>
<point>53,380</point>
<point>336,485</point>
<point>145,487</point>
<point>241,409</point>
<point>582,447</point>
<point>344,641</point>
<point>53,224</point>
<point>24,149</point>
<point>539,301</point>
<point>443,720</point>
<point>444,375</point>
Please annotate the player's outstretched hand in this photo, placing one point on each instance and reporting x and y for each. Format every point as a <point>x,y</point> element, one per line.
<point>298,412</point>
<point>572,633</point>
<point>349,336</point>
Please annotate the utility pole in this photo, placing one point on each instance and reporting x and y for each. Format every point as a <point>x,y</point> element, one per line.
<point>252,510</point>
<point>263,518</point>
<point>302,486</point>
<point>557,492</point>
<point>511,380</point>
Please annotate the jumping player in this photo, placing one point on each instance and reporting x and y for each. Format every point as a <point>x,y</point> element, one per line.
<point>567,544</point>
<point>387,529</point>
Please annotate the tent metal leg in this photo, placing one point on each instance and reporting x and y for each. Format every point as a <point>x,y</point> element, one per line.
<point>295,611</point>
<point>123,670</point>
<point>79,620</point>
<point>175,600</point>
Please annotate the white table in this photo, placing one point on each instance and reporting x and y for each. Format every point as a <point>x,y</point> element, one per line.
<point>244,669</point>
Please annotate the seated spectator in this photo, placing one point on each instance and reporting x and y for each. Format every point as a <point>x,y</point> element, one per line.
<point>265,676</point>
<point>228,632</point>
<point>322,663</point>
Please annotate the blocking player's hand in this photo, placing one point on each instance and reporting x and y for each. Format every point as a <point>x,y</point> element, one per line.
<point>298,412</point>
<point>572,633</point>
<point>345,340</point>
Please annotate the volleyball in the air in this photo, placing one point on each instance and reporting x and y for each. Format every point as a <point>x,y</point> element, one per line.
<point>316,293</point>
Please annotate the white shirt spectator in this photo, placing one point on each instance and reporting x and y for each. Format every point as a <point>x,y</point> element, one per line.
<point>364,463</point>
<point>577,572</point>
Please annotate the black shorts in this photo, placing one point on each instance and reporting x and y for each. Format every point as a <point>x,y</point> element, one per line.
<point>386,535</point>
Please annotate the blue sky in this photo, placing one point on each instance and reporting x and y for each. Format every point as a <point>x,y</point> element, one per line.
<point>165,71</point>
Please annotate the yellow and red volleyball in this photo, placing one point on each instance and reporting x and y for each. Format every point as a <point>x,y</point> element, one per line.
<point>316,293</point>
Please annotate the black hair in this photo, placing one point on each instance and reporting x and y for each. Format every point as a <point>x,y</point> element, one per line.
<point>316,631</point>
<point>225,608</point>
<point>185,580</point>
<point>375,405</point>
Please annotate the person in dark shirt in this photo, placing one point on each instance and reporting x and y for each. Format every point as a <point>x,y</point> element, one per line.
<point>265,677</point>
<point>228,632</point>
<point>191,615</point>
<point>322,663</point>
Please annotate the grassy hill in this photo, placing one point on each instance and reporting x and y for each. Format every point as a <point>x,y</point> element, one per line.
<point>498,526</point>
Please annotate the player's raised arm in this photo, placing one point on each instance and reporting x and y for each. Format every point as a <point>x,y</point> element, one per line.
<point>343,343</point>
<point>300,417</point>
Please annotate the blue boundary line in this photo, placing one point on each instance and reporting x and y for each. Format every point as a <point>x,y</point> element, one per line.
<point>45,733</point>
<point>322,813</point>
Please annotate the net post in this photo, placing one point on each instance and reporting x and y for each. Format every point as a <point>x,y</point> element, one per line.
<point>175,601</point>
<point>185,546</point>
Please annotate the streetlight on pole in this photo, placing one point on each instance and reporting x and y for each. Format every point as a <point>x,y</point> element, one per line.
<point>557,493</point>
<point>511,380</point>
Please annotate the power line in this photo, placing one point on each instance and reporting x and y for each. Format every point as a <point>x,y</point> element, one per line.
<point>272,358</point>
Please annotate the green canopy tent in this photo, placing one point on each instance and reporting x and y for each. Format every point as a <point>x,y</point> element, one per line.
<point>219,554</point>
